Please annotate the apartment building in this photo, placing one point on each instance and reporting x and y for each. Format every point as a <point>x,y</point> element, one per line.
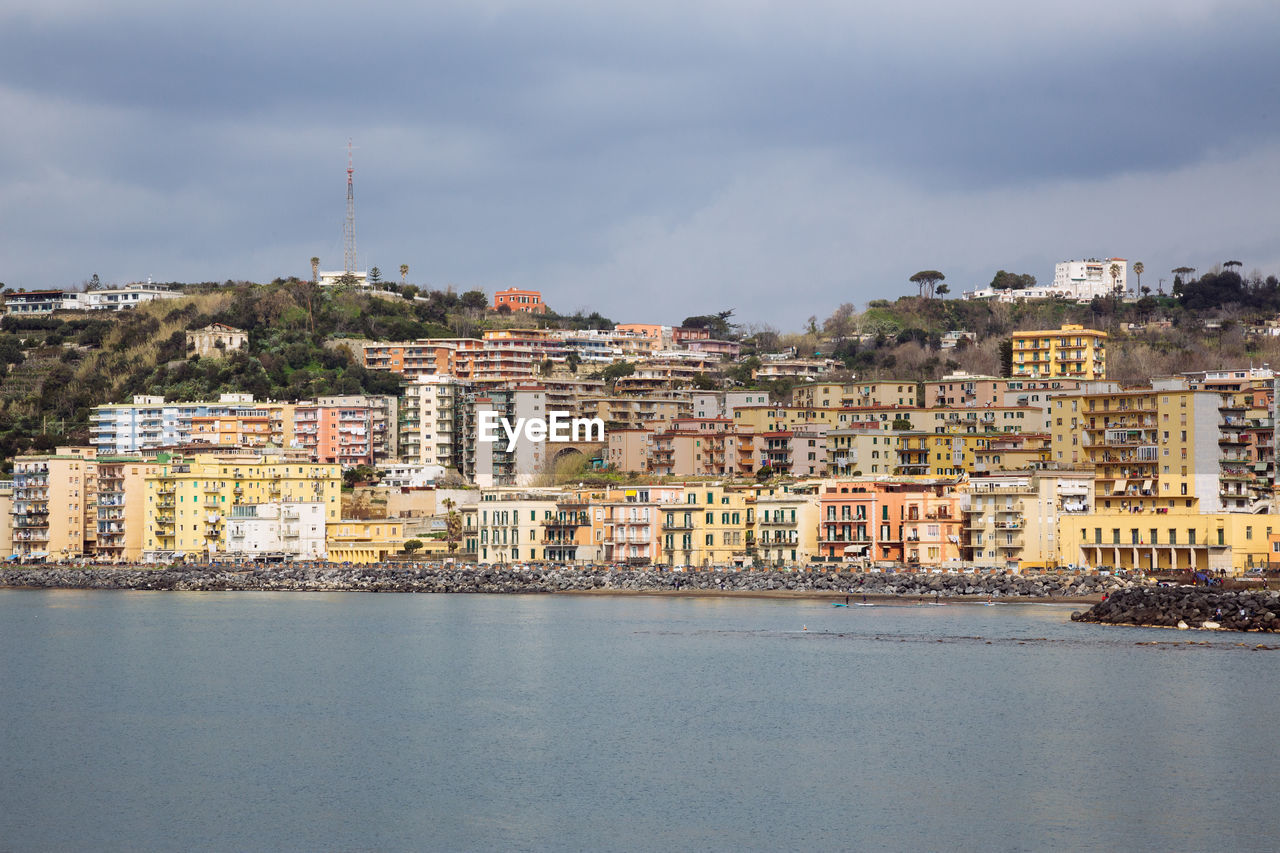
<point>714,527</point>
<point>190,497</point>
<point>121,498</point>
<point>1072,351</point>
<point>1013,519</point>
<point>357,540</point>
<point>55,505</point>
<point>861,450</point>
<point>430,423</point>
<point>283,531</point>
<point>914,522</point>
<point>964,390</point>
<point>6,519</point>
<point>511,524</point>
<point>1149,449</point>
<point>787,525</point>
<point>150,423</point>
<point>801,452</point>
<point>348,431</point>
<point>501,462</point>
<point>626,523</point>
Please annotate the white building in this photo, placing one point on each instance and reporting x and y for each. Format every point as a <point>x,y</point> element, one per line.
<point>409,475</point>
<point>430,421</point>
<point>1079,281</point>
<point>129,296</point>
<point>287,530</point>
<point>332,279</point>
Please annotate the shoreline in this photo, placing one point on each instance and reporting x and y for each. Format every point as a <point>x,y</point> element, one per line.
<point>820,586</point>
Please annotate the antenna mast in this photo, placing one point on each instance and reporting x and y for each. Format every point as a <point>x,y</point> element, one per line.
<point>349,228</point>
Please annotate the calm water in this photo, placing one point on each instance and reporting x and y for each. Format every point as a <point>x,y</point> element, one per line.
<point>252,721</point>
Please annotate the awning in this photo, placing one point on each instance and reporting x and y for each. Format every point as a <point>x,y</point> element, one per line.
<point>1118,486</point>
<point>856,549</point>
<point>1146,485</point>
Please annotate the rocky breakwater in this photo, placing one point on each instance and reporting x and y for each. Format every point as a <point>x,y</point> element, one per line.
<point>1188,607</point>
<point>424,577</point>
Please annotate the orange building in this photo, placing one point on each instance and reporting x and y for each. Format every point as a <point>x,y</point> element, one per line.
<point>522,301</point>
<point>917,523</point>
<point>336,434</point>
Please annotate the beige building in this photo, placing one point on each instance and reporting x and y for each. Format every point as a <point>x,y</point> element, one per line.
<point>121,515</point>
<point>787,525</point>
<point>216,340</point>
<point>430,426</point>
<point>863,451</point>
<point>54,504</point>
<point>511,523</point>
<point>6,519</point>
<point>713,527</point>
<point>1013,519</point>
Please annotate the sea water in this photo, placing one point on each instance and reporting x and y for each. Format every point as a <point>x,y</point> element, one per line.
<point>318,721</point>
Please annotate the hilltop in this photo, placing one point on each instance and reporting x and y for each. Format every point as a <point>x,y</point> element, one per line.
<point>55,369</point>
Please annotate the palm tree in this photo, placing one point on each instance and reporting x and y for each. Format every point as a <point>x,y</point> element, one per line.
<point>315,269</point>
<point>1115,278</point>
<point>453,524</point>
<point>1138,270</point>
<point>404,271</point>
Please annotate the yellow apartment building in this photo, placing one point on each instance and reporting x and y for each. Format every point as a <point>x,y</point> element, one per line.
<point>188,498</point>
<point>713,527</point>
<point>372,540</point>
<point>1154,448</point>
<point>1149,541</point>
<point>1071,351</point>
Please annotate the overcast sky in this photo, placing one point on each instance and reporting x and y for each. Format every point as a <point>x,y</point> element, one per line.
<point>647,160</point>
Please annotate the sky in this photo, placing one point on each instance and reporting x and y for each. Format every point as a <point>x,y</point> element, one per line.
<point>649,161</point>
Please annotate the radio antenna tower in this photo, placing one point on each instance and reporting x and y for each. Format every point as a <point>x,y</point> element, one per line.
<point>349,228</point>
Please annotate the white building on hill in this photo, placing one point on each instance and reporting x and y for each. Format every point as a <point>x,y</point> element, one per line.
<point>1079,281</point>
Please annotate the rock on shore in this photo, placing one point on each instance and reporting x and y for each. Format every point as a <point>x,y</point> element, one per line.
<point>1188,607</point>
<point>436,578</point>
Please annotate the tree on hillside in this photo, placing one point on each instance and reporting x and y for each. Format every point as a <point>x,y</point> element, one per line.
<point>1114,270</point>
<point>717,324</point>
<point>375,275</point>
<point>315,269</point>
<point>474,300</point>
<point>1012,281</point>
<point>841,322</point>
<point>943,290</point>
<point>404,271</point>
<point>1227,265</point>
<point>926,280</point>
<point>1138,269</point>
<point>94,283</point>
